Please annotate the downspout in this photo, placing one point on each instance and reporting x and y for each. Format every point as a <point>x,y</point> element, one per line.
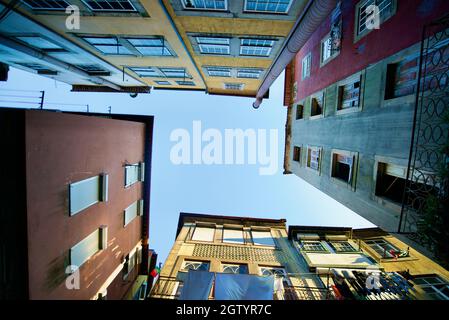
<point>58,63</point>
<point>313,15</point>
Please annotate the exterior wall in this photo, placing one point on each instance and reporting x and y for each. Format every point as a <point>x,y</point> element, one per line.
<point>401,31</point>
<point>218,253</point>
<point>379,130</point>
<point>62,149</point>
<point>234,23</point>
<point>151,21</point>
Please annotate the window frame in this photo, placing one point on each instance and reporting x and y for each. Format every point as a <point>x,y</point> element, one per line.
<point>47,9</point>
<point>266,11</point>
<point>255,46</point>
<point>359,35</point>
<point>338,251</point>
<point>192,262</point>
<point>230,265</point>
<point>332,56</point>
<point>183,2</point>
<point>203,40</point>
<point>314,243</point>
<point>102,195</point>
<point>214,232</point>
<point>360,76</point>
<point>302,111</point>
<point>307,59</point>
<point>320,159</point>
<point>320,94</point>
<point>297,154</point>
<point>387,243</point>
<point>86,3</point>
<point>427,284</point>
<point>351,184</point>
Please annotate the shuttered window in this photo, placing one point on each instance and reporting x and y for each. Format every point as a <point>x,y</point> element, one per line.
<point>262,238</point>
<point>233,236</point>
<point>85,193</point>
<point>203,234</point>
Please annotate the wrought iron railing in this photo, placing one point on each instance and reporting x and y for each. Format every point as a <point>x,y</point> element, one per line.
<point>424,214</point>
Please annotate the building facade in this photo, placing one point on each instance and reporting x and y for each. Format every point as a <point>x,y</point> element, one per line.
<point>236,246</point>
<point>351,94</point>
<point>369,264</point>
<point>219,46</point>
<point>76,214</point>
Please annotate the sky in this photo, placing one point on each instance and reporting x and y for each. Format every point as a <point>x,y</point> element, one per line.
<point>234,190</point>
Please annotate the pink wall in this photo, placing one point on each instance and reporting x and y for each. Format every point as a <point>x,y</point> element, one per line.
<point>64,148</point>
<point>399,32</point>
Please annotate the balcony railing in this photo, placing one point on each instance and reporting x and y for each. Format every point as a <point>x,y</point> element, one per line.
<point>170,288</point>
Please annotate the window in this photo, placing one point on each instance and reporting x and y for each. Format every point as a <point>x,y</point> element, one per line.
<point>365,16</point>
<point>86,248</point>
<point>327,52</point>
<point>108,45</point>
<point>316,105</point>
<point>306,66</point>
<point>175,73</point>
<point>150,46</point>
<point>234,268</point>
<point>85,193</point>
<point>233,86</point>
<point>342,246</point>
<point>47,4</point>
<point>145,71</point>
<point>349,95</point>
<point>93,69</point>
<point>39,68</point>
<point>313,246</point>
<point>262,238</point>
<point>401,78</point>
<point>342,166</point>
<point>40,43</point>
<point>269,6</point>
<point>296,154</point>
<point>134,173</point>
<point>390,182</point>
<point>155,46</point>
<point>110,5</point>
<point>216,5</point>
<point>163,83</point>
<point>249,73</point>
<point>203,234</point>
<point>134,210</point>
<point>299,111</point>
<point>218,72</point>
<point>233,236</point>
<point>433,286</point>
<point>383,248</point>
<point>185,83</point>
<point>195,266</point>
<point>211,45</point>
<point>131,260</point>
<point>256,47</point>
<point>276,272</point>
<point>314,158</point>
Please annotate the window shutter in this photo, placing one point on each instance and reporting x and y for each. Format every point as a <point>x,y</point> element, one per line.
<point>104,187</point>
<point>142,172</point>
<point>103,237</point>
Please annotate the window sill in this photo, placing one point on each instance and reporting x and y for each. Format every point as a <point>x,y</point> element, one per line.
<point>347,111</point>
<point>343,184</point>
<point>410,99</point>
<point>318,116</point>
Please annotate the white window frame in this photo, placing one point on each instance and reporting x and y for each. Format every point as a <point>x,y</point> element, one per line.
<point>196,264</point>
<point>205,9</point>
<point>227,239</point>
<point>234,268</point>
<point>306,66</point>
<point>375,243</point>
<point>430,282</point>
<point>255,46</point>
<point>353,169</point>
<point>303,245</point>
<point>324,45</point>
<point>205,42</point>
<point>48,8</point>
<point>360,34</point>
<point>245,9</point>
<point>210,238</point>
<point>234,86</point>
<point>111,10</point>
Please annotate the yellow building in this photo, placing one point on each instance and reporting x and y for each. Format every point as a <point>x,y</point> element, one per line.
<point>235,245</point>
<point>218,46</point>
<point>350,256</point>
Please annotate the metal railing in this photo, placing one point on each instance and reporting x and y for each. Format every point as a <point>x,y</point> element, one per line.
<point>170,288</point>
<point>15,98</point>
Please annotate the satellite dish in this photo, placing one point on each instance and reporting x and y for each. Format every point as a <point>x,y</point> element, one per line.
<point>133,94</point>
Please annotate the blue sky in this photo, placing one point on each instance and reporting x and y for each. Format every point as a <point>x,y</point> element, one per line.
<point>235,190</point>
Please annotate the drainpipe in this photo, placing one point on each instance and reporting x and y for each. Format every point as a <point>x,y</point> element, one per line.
<point>58,63</point>
<point>313,15</point>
